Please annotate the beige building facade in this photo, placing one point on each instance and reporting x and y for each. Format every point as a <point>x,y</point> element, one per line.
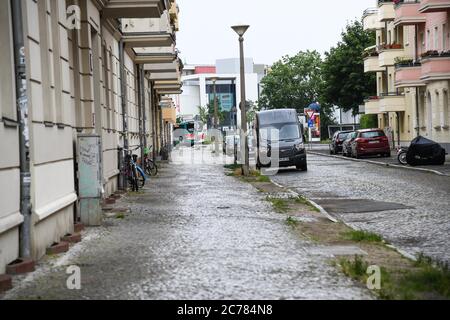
<point>411,59</point>
<point>84,75</point>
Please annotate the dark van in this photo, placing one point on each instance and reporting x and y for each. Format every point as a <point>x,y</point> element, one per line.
<point>280,132</point>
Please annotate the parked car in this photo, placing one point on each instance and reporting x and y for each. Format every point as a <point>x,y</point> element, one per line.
<point>337,141</point>
<point>288,143</point>
<point>346,145</point>
<point>229,142</point>
<point>370,142</point>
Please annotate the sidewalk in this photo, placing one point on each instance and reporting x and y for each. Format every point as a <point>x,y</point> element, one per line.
<point>444,170</point>
<point>193,233</point>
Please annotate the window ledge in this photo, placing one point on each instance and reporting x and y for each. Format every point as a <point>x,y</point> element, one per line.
<point>8,123</point>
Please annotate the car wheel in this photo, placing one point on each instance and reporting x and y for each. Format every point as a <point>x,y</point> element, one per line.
<point>303,167</point>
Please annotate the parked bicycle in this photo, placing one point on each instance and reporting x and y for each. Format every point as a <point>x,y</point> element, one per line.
<point>133,172</point>
<point>150,166</point>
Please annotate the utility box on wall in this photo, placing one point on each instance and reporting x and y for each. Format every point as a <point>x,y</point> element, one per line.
<point>89,154</point>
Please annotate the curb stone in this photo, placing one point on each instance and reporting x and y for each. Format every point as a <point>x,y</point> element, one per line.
<point>380,163</point>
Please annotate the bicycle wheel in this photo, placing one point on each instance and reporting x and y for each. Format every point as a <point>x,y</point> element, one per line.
<point>141,179</point>
<point>134,180</point>
<point>153,168</point>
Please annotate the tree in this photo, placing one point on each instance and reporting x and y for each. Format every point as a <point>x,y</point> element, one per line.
<point>203,114</point>
<point>369,121</point>
<point>293,82</point>
<point>345,83</point>
<point>251,108</point>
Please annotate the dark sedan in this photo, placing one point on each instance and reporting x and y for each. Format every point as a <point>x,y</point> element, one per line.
<point>337,141</point>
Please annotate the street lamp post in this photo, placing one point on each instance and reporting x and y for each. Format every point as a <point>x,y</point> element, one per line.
<point>216,116</point>
<point>240,30</point>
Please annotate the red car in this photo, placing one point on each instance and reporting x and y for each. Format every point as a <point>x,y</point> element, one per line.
<point>370,142</point>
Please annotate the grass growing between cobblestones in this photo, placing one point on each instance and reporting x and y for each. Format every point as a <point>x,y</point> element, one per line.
<point>401,278</point>
<point>423,279</point>
<point>363,236</point>
<point>291,222</point>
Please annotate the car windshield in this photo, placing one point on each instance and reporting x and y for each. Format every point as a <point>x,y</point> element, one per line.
<point>343,136</point>
<point>372,134</point>
<point>282,132</point>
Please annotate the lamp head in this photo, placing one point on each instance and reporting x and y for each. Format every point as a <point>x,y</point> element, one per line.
<point>241,29</point>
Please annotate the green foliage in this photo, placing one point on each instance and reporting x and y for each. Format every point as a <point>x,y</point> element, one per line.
<point>356,269</point>
<point>293,82</point>
<point>280,205</point>
<point>345,83</point>
<point>369,121</point>
<point>251,108</point>
<point>203,113</point>
<point>363,236</point>
<point>291,222</point>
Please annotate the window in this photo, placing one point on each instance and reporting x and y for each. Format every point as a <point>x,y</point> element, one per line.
<point>437,112</point>
<point>446,114</point>
<point>57,69</point>
<point>372,134</point>
<point>428,40</point>
<point>436,38</point>
<point>45,61</point>
<point>106,71</point>
<point>7,82</point>
<point>444,37</point>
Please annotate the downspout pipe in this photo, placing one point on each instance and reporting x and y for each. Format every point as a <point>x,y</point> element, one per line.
<point>22,117</point>
<point>144,112</point>
<point>123,86</point>
<point>140,102</point>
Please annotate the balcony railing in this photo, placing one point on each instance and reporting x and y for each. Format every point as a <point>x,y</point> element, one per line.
<point>427,6</point>
<point>407,13</point>
<point>388,54</point>
<point>386,11</point>
<point>408,73</point>
<point>371,20</point>
<point>372,105</point>
<point>134,9</point>
<point>392,102</point>
<point>435,66</point>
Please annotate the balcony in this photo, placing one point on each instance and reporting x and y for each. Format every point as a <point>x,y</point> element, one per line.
<point>163,67</point>
<point>407,13</point>
<point>117,9</point>
<point>435,66</point>
<point>147,58</point>
<point>392,102</point>
<point>407,74</point>
<point>427,6</point>
<point>388,54</point>
<point>372,106</point>
<point>148,39</point>
<point>386,10</point>
<point>168,87</point>
<point>370,20</point>
<point>372,64</point>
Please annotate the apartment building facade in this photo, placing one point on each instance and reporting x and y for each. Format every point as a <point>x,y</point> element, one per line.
<point>412,61</point>
<point>86,73</point>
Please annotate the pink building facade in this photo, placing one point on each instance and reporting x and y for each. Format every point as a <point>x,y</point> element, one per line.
<point>412,62</point>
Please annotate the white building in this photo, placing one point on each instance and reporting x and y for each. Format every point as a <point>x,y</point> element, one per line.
<point>198,86</point>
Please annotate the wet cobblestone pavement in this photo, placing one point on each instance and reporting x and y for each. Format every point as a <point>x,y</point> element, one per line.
<point>193,233</point>
<point>361,194</point>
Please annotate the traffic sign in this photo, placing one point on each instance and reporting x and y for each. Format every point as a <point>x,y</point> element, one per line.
<point>310,113</point>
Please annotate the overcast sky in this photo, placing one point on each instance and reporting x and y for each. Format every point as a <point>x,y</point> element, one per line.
<point>278,27</point>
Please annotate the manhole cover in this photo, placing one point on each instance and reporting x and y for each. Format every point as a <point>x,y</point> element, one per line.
<point>358,205</point>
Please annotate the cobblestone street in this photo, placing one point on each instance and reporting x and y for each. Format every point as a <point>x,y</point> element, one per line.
<point>193,233</point>
<point>408,208</point>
